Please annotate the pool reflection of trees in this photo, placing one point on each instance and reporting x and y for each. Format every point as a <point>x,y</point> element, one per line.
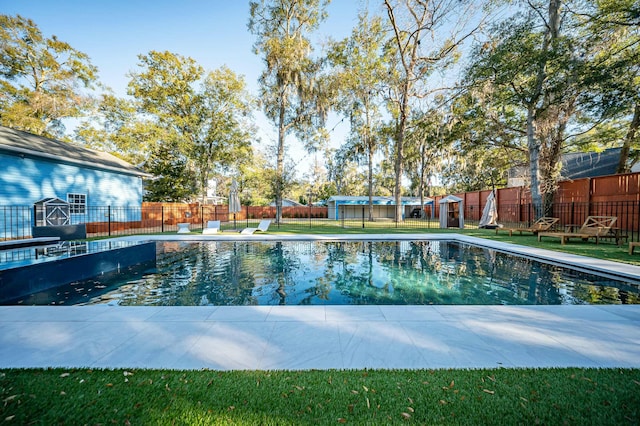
<point>365,272</point>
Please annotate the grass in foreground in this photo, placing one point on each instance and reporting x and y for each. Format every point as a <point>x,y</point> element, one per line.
<point>474,397</point>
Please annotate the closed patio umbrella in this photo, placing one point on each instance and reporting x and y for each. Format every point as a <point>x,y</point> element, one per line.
<point>489,217</point>
<point>234,201</point>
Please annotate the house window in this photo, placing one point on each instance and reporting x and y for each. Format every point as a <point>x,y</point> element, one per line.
<point>77,203</point>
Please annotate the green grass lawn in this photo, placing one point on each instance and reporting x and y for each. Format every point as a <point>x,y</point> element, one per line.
<point>368,397</point>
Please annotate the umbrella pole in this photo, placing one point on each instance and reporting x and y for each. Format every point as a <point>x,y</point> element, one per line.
<point>234,221</point>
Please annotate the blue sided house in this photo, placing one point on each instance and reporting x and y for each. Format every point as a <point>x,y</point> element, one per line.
<point>44,179</point>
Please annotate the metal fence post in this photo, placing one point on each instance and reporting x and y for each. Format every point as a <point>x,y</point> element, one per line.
<point>162,218</point>
<point>109,219</point>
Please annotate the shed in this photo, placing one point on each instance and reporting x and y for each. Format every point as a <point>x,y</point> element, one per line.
<point>451,212</point>
<point>354,207</point>
<point>51,212</point>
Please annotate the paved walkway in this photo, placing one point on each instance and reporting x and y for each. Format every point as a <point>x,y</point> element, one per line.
<point>327,337</point>
<point>320,337</point>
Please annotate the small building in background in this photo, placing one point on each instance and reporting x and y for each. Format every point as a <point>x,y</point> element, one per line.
<point>351,207</point>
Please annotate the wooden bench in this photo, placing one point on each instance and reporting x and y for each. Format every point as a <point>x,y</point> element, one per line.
<point>540,225</point>
<point>633,245</point>
<point>596,227</point>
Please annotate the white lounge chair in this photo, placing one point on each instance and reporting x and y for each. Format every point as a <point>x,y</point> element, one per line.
<point>213,227</point>
<point>263,226</point>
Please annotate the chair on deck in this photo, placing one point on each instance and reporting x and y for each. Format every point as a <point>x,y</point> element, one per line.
<point>213,227</point>
<point>594,227</point>
<point>263,226</point>
<point>540,225</point>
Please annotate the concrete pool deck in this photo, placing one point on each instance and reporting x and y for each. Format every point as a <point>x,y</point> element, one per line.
<point>327,337</point>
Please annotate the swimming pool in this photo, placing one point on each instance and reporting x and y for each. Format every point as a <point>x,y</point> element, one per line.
<point>440,272</point>
<point>28,270</point>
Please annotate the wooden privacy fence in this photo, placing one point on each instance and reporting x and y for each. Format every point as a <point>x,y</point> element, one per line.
<point>154,214</point>
<point>615,195</point>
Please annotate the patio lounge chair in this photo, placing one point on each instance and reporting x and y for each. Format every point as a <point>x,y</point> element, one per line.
<point>594,227</point>
<point>540,225</point>
<point>263,226</point>
<point>213,227</point>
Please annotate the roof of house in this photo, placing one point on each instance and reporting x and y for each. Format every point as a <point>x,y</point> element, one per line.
<point>288,203</point>
<point>377,200</point>
<point>578,165</point>
<point>450,199</point>
<point>27,144</point>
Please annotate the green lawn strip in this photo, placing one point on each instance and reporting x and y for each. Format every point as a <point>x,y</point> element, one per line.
<point>604,250</point>
<point>475,397</point>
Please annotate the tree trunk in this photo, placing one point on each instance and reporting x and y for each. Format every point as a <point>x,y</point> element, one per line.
<point>628,141</point>
<point>423,167</point>
<point>399,165</point>
<point>534,163</point>
<point>399,168</point>
<point>370,184</point>
<point>280,162</point>
<point>369,148</point>
<point>534,142</point>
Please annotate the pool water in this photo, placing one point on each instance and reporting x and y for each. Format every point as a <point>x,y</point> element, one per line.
<point>342,273</point>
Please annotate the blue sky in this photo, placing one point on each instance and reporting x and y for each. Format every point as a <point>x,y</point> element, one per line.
<point>213,32</point>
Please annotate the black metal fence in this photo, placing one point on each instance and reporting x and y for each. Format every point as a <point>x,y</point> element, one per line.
<point>17,221</point>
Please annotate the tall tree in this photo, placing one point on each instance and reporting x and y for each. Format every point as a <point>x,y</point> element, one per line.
<point>229,131</point>
<point>359,71</point>
<point>289,87</point>
<point>534,62</point>
<point>42,79</point>
<point>206,115</point>
<point>429,136</point>
<point>488,135</point>
<point>613,30</point>
<point>420,50</point>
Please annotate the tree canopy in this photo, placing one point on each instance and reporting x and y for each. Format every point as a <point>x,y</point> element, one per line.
<point>291,92</point>
<point>536,79</point>
<point>42,79</point>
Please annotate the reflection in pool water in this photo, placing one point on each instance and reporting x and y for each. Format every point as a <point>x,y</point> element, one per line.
<point>342,273</point>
